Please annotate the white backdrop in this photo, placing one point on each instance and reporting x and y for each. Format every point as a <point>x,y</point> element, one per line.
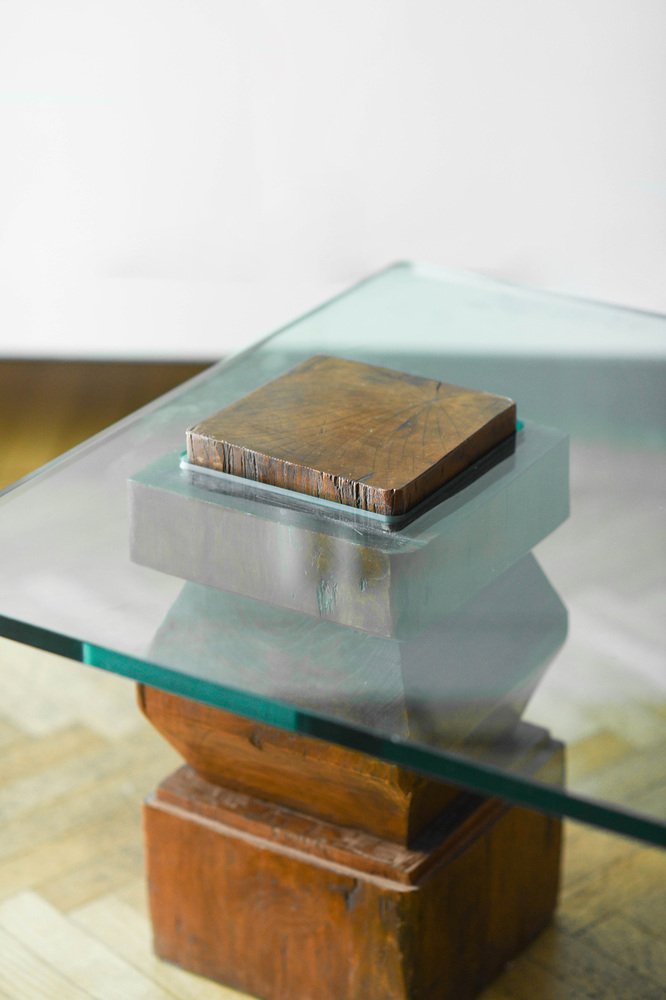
<point>178,176</point>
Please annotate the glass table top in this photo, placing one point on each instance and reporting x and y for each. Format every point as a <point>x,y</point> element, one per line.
<point>520,610</point>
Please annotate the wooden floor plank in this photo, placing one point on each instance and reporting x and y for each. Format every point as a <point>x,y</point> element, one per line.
<point>28,756</point>
<point>46,787</point>
<point>24,975</point>
<point>648,911</point>
<point>127,933</point>
<point>527,980</point>
<point>614,886</point>
<point>42,694</point>
<point>600,750</point>
<point>9,734</point>
<point>642,953</point>
<point>135,894</point>
<point>588,852</point>
<point>80,808</point>
<point>631,778</point>
<point>58,857</point>
<point>588,972</point>
<point>73,954</point>
<point>104,873</point>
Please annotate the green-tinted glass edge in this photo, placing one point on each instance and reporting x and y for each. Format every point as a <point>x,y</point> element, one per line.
<point>480,778</point>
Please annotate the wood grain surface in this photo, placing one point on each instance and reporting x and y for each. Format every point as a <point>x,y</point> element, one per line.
<point>284,865</point>
<point>325,781</point>
<point>269,901</point>
<point>367,437</point>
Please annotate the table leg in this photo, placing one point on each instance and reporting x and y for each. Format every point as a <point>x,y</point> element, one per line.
<point>293,869</point>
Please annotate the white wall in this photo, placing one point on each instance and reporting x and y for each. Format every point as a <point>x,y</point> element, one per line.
<point>177,176</point>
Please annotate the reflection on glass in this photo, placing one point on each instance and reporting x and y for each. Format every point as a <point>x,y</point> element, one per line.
<point>393,584</point>
<point>438,633</point>
<point>68,583</point>
<point>465,679</point>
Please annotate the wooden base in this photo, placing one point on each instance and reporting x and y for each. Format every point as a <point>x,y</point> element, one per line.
<point>289,906</point>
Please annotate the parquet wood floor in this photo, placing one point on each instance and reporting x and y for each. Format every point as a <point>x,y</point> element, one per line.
<point>76,759</point>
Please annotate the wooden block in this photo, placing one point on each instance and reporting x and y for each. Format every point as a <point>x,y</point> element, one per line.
<point>289,867</point>
<point>321,779</point>
<point>284,907</point>
<point>356,434</point>
<point>326,781</point>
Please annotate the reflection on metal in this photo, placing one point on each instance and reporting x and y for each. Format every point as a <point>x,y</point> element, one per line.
<point>395,584</point>
<point>438,633</point>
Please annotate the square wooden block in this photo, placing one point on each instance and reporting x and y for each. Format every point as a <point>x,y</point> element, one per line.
<point>268,901</point>
<point>356,434</point>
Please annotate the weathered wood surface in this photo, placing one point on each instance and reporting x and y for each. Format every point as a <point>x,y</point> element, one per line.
<point>326,781</point>
<point>359,435</point>
<point>287,908</point>
<point>291,868</point>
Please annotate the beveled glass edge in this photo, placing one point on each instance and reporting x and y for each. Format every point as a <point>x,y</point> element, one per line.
<point>440,273</point>
<point>450,766</point>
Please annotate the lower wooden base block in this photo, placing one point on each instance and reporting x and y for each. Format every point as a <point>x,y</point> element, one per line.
<point>284,906</point>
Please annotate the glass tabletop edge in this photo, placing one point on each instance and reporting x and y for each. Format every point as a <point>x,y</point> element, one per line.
<point>479,778</point>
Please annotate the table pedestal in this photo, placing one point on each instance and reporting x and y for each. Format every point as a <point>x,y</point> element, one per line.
<point>294,869</point>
